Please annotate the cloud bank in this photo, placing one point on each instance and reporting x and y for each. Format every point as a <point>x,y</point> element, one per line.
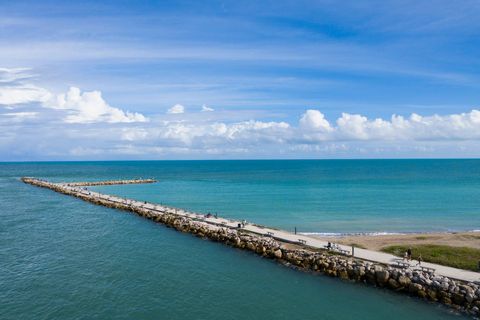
<point>35,124</point>
<point>463,126</point>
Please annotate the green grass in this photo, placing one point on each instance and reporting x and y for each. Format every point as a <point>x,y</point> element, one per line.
<point>421,238</point>
<point>457,257</point>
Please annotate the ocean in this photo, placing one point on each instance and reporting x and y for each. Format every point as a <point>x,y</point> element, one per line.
<point>62,258</point>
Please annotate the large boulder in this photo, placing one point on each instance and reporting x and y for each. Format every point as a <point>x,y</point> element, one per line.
<point>404,281</point>
<point>422,294</point>
<point>382,276</point>
<point>432,294</point>
<point>343,274</point>
<point>414,287</point>
<point>458,298</point>
<point>393,284</point>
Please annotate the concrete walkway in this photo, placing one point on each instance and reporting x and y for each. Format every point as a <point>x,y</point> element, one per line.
<point>284,236</point>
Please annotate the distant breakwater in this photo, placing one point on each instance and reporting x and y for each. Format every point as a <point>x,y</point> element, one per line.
<point>109,182</point>
<point>462,296</point>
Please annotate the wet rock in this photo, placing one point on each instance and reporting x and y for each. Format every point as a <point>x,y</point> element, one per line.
<point>422,294</point>
<point>432,294</point>
<point>458,298</point>
<point>414,287</point>
<point>343,274</point>
<point>392,283</point>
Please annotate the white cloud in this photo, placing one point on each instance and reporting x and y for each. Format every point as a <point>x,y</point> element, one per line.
<point>9,75</point>
<point>313,128</point>
<point>21,95</point>
<point>206,108</point>
<point>354,127</point>
<point>134,134</point>
<point>21,114</point>
<point>14,89</point>
<point>219,134</point>
<point>178,108</point>
<point>90,107</point>
<point>314,120</point>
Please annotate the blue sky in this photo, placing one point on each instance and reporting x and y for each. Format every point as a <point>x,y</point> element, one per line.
<point>275,79</point>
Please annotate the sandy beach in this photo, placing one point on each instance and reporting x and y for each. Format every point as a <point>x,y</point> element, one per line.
<point>376,242</point>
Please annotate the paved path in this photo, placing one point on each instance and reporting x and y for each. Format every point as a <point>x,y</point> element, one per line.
<point>280,235</point>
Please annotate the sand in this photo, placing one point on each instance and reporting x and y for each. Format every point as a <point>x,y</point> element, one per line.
<point>457,239</point>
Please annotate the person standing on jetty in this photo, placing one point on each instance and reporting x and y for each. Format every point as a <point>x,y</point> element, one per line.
<point>420,260</point>
<point>409,254</point>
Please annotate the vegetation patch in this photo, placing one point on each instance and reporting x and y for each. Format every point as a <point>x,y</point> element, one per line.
<point>457,257</point>
<point>421,238</point>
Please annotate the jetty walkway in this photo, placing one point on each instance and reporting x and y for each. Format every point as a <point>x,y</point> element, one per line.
<point>78,189</point>
<point>107,183</point>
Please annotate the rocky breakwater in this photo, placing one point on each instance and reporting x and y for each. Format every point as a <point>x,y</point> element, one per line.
<point>462,296</point>
<point>109,182</point>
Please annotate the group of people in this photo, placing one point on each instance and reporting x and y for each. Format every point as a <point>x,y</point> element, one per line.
<point>408,257</point>
<point>332,246</point>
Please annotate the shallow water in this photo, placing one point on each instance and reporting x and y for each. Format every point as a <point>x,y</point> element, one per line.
<point>318,196</point>
<point>68,259</point>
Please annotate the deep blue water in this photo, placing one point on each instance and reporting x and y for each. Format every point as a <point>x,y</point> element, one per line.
<point>61,258</point>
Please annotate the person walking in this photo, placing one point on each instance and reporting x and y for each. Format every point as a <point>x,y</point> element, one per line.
<point>409,254</point>
<point>420,260</point>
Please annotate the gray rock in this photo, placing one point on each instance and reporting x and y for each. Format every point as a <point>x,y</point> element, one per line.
<point>469,297</point>
<point>404,281</point>
<point>382,276</point>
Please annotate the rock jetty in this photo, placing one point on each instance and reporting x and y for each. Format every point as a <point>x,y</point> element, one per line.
<point>462,296</point>
<point>109,182</point>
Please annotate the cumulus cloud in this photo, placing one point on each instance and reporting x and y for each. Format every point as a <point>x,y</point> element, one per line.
<point>314,120</point>
<point>178,108</point>
<point>224,135</point>
<point>206,108</point>
<point>354,127</point>
<point>350,135</point>
<point>90,107</point>
<point>313,129</point>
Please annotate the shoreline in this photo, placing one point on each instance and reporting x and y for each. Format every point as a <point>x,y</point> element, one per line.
<point>384,233</point>
<point>377,241</point>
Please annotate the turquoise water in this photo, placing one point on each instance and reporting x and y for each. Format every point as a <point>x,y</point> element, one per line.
<point>62,258</point>
<point>317,196</point>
